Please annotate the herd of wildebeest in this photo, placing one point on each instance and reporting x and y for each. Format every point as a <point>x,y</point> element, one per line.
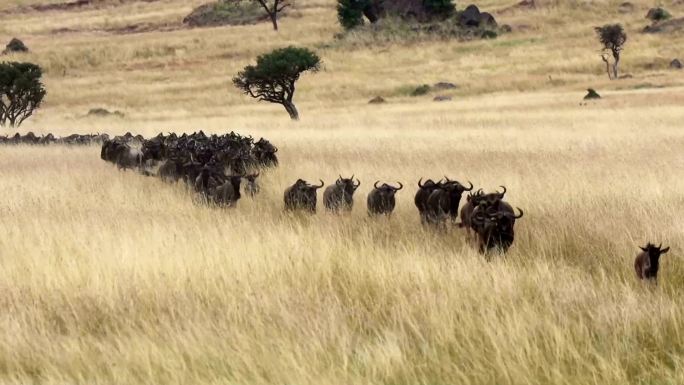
<point>215,166</point>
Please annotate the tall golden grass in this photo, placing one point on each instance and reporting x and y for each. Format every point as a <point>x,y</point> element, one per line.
<point>112,277</point>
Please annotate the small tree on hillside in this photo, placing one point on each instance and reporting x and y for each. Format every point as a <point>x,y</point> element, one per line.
<point>21,92</point>
<point>274,76</point>
<point>273,8</point>
<point>613,38</point>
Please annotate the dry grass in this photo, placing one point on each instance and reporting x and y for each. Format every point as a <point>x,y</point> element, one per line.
<point>110,277</point>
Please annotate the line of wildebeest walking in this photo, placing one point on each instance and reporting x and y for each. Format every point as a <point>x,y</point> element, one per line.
<point>215,166</point>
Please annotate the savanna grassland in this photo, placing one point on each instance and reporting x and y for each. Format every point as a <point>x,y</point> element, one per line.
<point>109,277</point>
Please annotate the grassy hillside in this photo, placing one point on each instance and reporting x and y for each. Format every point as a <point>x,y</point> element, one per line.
<point>110,277</point>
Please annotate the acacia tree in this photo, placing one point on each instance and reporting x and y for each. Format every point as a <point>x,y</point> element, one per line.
<point>274,76</point>
<point>21,92</point>
<point>613,38</point>
<point>273,8</point>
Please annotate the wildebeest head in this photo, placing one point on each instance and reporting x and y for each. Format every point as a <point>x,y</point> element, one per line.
<point>428,184</point>
<point>388,189</point>
<point>311,187</point>
<point>251,178</point>
<point>648,262</point>
<point>492,199</point>
<point>348,185</point>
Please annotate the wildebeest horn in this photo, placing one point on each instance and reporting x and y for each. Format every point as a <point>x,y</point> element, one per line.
<point>322,184</point>
<point>358,183</point>
<point>471,186</point>
<point>352,177</point>
<point>337,182</point>
<point>643,248</point>
<point>520,215</point>
<point>659,246</point>
<point>446,178</point>
<point>501,194</point>
<point>401,186</point>
<point>419,183</point>
<point>376,184</point>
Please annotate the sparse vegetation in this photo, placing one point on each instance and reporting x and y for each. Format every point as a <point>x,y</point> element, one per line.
<point>273,8</point>
<point>275,75</point>
<point>226,12</point>
<point>112,278</point>
<point>613,39</point>
<point>21,92</point>
<point>423,89</point>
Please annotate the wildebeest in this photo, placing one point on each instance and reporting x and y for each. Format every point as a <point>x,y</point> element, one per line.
<point>228,193</point>
<point>252,187</point>
<point>495,229</point>
<point>381,199</point>
<point>170,171</point>
<point>265,153</point>
<point>422,195</point>
<point>647,262</point>
<point>129,158</point>
<point>208,179</point>
<point>119,152</point>
<point>301,196</point>
<point>340,196</point>
<point>443,202</point>
<point>476,200</point>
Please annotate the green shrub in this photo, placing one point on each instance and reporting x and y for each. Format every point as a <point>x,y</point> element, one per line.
<point>350,12</point>
<point>421,90</point>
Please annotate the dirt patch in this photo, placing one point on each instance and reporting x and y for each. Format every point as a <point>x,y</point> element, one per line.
<point>126,29</point>
<point>524,5</point>
<point>61,6</point>
<point>144,27</point>
<point>73,5</point>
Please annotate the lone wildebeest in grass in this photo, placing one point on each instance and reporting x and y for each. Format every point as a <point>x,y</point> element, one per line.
<point>495,229</point>
<point>422,195</point>
<point>443,202</point>
<point>647,262</point>
<point>228,193</point>
<point>381,199</point>
<point>302,196</point>
<point>340,196</point>
<point>252,187</point>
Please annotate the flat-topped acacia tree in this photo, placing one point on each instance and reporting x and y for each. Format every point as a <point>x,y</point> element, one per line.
<point>274,76</point>
<point>21,92</point>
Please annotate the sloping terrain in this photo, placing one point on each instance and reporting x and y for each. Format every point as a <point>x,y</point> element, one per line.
<point>110,277</point>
